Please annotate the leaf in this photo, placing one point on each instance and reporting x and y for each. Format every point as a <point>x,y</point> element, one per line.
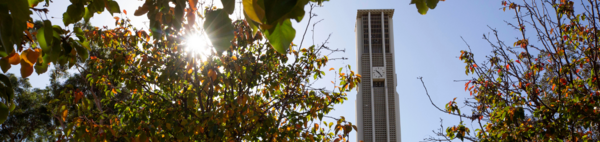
<point>26,69</point>
<point>3,112</point>
<point>4,65</point>
<point>64,114</point>
<point>432,3</point>
<point>228,5</point>
<point>33,3</point>
<point>219,29</point>
<point>254,11</point>
<point>30,56</point>
<point>41,67</point>
<point>125,11</point>
<point>75,12</point>
<point>421,6</point>
<point>281,37</point>
<point>88,14</point>
<point>331,69</point>
<point>13,58</point>
<point>113,7</point>
<point>44,36</point>
<point>141,10</point>
<point>81,51</point>
<point>78,31</point>
<point>277,11</point>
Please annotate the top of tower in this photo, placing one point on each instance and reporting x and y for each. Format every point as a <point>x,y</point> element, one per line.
<point>360,12</point>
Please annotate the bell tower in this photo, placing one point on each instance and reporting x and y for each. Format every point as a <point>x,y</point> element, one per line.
<point>377,102</point>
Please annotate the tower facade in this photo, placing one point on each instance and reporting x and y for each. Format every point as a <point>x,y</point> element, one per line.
<point>377,102</point>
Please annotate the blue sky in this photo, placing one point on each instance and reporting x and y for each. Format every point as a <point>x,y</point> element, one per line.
<point>425,45</point>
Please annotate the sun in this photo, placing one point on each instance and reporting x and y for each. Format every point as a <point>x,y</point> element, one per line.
<point>199,44</point>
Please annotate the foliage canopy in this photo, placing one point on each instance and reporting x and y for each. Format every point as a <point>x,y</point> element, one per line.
<point>140,85</point>
<point>535,90</point>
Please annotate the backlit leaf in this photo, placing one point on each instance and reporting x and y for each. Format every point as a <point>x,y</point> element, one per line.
<point>13,58</point>
<point>219,29</point>
<point>281,37</point>
<point>253,10</point>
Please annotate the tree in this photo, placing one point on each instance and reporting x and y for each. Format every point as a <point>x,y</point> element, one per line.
<point>142,85</point>
<point>35,45</point>
<point>30,119</point>
<point>535,91</point>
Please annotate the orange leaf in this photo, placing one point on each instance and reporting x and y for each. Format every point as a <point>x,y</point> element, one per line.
<point>551,30</point>
<point>192,4</point>
<point>30,56</point>
<point>78,95</point>
<point>13,58</point>
<point>29,25</point>
<point>212,74</point>
<point>125,11</point>
<point>64,114</point>
<point>507,66</point>
<point>26,70</point>
<point>331,69</point>
<point>114,91</point>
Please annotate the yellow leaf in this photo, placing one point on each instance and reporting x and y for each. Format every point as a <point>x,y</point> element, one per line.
<point>253,10</point>
<point>64,114</point>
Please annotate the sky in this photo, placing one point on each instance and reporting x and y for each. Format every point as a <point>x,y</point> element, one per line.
<point>426,46</point>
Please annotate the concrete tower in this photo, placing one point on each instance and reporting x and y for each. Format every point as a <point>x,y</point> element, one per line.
<point>377,102</point>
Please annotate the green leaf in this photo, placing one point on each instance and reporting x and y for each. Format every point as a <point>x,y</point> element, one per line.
<point>432,3</point>
<point>12,107</point>
<point>81,51</point>
<point>75,12</point>
<point>10,93</point>
<point>282,36</point>
<point>421,6</point>
<point>276,10</point>
<point>67,19</point>
<point>34,3</point>
<point>228,5</point>
<point>113,7</point>
<point>78,31</point>
<point>219,29</point>
<point>88,14</point>
<point>3,112</point>
<point>4,65</point>
<point>6,26</point>
<point>320,116</point>
<point>41,67</point>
